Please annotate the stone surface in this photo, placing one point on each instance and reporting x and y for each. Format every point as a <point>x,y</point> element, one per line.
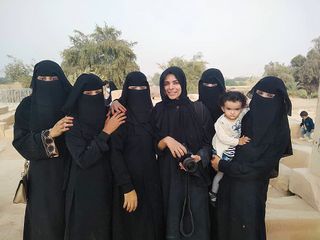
<point>305,184</point>
<point>300,158</point>
<point>281,183</point>
<point>4,109</point>
<point>290,218</point>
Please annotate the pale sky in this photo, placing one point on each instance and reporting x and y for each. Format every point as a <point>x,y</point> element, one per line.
<point>237,36</point>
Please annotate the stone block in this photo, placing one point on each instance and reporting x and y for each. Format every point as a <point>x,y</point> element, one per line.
<point>305,184</point>
<point>290,218</point>
<point>300,158</point>
<point>281,183</point>
<point>4,109</point>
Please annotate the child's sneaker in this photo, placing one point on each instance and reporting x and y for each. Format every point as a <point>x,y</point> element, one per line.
<point>213,198</point>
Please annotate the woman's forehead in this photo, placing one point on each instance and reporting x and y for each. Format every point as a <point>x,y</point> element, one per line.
<point>170,78</point>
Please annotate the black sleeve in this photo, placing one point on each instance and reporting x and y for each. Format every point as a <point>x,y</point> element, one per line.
<point>204,152</point>
<point>118,163</point>
<point>84,153</point>
<point>157,136</point>
<point>258,167</point>
<point>27,143</point>
<point>207,126</point>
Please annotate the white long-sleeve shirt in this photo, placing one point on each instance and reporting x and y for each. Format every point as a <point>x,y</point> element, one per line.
<point>228,132</point>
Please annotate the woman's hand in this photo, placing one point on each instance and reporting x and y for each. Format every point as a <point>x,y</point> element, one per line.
<point>177,149</point>
<point>112,123</point>
<point>61,126</point>
<point>244,140</point>
<point>130,201</point>
<point>115,106</point>
<point>215,162</point>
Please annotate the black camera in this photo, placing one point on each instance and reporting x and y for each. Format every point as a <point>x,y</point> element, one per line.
<point>188,162</point>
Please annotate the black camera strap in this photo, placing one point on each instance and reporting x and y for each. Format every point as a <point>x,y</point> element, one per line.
<point>186,212</point>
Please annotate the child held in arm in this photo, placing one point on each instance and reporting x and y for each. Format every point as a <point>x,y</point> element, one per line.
<point>228,132</point>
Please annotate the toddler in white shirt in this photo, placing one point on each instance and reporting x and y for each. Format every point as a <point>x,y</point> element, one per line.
<point>228,132</point>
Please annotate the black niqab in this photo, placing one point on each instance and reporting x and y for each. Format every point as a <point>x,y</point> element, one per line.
<point>137,102</point>
<point>47,96</point>
<point>269,115</point>
<point>89,109</point>
<point>209,96</point>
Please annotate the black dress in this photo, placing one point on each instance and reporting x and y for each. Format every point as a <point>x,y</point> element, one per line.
<point>135,167</point>
<point>243,189</point>
<point>89,192</point>
<point>49,158</point>
<point>174,182</point>
<point>188,123</point>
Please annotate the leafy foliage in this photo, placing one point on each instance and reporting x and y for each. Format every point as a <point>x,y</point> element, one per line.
<point>103,52</point>
<point>193,69</point>
<point>17,71</point>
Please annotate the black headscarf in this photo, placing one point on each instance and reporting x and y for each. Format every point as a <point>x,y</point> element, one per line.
<point>177,118</point>
<point>90,111</point>
<point>269,115</point>
<point>137,102</point>
<point>47,97</point>
<point>209,96</point>
<point>111,87</point>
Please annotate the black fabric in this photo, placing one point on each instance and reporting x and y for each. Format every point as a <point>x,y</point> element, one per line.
<point>268,110</point>
<point>135,167</point>
<point>89,192</point>
<point>175,116</point>
<point>243,189</point>
<point>137,102</point>
<point>188,123</point>
<point>90,110</point>
<point>209,96</point>
<point>44,216</point>
<point>47,96</point>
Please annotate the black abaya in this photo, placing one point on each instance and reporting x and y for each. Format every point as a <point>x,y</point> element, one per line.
<point>35,115</point>
<point>243,189</point>
<point>135,167</point>
<point>89,192</point>
<point>188,123</point>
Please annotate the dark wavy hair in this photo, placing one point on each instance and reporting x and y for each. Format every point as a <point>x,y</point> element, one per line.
<point>233,96</point>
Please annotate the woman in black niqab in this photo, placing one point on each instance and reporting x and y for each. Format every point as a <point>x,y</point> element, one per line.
<point>89,192</point>
<point>180,124</point>
<point>137,211</point>
<point>211,86</point>
<point>243,189</point>
<point>38,137</point>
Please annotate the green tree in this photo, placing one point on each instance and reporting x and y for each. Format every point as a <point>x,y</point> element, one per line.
<point>3,80</point>
<point>283,72</point>
<point>306,70</point>
<point>17,71</point>
<point>103,52</point>
<point>193,69</point>
<point>237,81</point>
